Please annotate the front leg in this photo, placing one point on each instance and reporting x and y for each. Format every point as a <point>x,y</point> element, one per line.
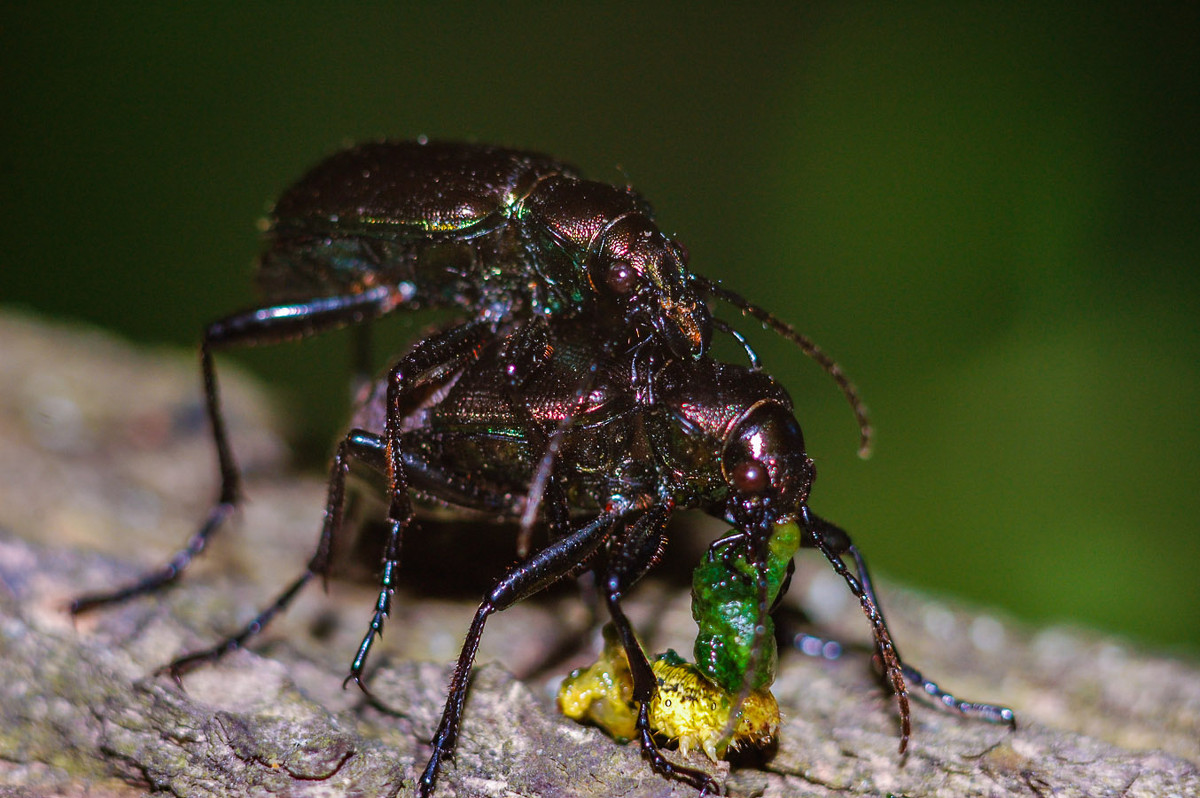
<point>832,542</point>
<point>542,569</point>
<point>837,540</point>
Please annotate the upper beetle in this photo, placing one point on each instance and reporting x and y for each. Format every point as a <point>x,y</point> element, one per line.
<point>503,233</point>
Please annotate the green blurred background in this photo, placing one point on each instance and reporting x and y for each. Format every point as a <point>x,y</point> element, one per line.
<point>988,214</point>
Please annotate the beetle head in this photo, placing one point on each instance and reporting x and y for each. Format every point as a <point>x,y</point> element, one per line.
<point>646,272</point>
<point>736,425</point>
<point>766,468</point>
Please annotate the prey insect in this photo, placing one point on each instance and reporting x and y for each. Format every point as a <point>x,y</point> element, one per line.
<point>446,427</point>
<point>503,236</point>
<point>722,702</point>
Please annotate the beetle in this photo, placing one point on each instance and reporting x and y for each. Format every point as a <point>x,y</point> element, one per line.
<point>686,708</point>
<point>502,235</point>
<point>445,427</point>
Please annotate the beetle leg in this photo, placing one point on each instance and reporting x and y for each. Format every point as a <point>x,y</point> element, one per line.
<point>829,539</point>
<point>839,542</point>
<point>357,445</point>
<point>784,586</point>
<point>271,325</point>
<point>542,569</point>
<point>992,713</point>
<point>732,332</point>
<point>629,557</point>
<point>433,359</point>
<point>527,350</point>
<point>265,325</point>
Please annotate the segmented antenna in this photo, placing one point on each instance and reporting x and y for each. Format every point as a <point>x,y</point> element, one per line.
<point>751,355</point>
<point>807,346</point>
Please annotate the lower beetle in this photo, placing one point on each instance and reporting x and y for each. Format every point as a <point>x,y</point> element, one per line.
<point>712,436</point>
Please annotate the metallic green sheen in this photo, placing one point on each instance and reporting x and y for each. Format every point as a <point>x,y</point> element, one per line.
<point>725,606</point>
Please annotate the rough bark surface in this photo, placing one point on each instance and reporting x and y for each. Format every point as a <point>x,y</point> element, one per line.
<point>106,465</point>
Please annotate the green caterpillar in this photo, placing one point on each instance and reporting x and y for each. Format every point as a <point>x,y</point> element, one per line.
<point>725,606</point>
<point>693,702</point>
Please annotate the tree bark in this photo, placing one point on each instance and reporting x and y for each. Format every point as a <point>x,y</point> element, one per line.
<point>106,467</point>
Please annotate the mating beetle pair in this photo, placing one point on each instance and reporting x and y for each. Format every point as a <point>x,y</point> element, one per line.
<point>577,388</point>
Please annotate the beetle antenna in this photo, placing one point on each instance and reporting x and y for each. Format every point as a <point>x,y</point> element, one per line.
<point>751,355</point>
<point>808,347</point>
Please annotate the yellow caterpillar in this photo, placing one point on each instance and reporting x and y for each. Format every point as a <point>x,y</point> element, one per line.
<point>687,707</point>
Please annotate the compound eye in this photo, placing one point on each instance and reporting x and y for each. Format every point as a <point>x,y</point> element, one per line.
<point>621,277</point>
<point>750,477</point>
